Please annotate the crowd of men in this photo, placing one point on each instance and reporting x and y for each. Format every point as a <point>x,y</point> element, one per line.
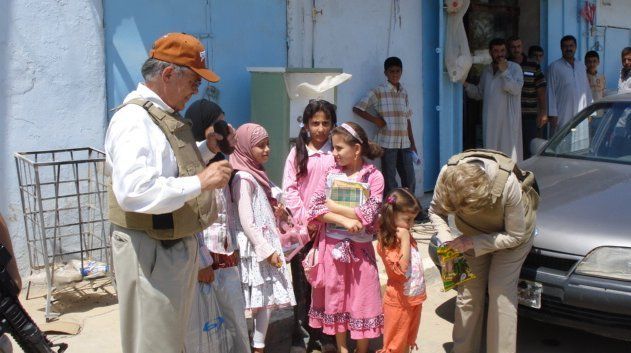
<point>520,102</point>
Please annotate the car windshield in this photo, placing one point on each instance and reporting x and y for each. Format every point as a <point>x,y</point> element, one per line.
<point>600,132</point>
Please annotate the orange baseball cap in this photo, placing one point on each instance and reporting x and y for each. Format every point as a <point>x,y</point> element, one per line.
<point>183,49</point>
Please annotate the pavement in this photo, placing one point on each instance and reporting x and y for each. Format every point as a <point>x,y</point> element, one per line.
<point>94,307</point>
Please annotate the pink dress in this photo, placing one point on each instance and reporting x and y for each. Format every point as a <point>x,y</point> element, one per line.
<point>298,192</point>
<point>351,297</point>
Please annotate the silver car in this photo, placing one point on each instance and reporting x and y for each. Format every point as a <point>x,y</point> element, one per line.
<point>579,271</point>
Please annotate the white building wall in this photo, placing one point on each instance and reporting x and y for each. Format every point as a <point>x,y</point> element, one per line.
<point>52,88</point>
<point>357,36</point>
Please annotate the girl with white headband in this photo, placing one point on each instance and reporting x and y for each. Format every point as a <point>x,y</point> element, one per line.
<point>346,293</point>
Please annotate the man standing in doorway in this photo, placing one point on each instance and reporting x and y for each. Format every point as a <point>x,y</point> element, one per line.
<point>624,82</point>
<point>568,88</point>
<point>500,89</point>
<point>387,107</point>
<point>161,195</point>
<point>533,95</point>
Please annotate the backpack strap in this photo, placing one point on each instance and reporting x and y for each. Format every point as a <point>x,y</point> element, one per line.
<point>505,167</point>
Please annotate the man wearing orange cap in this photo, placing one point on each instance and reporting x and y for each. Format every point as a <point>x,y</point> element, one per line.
<point>160,196</point>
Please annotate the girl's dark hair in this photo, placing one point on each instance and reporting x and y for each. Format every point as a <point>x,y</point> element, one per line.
<point>370,149</point>
<point>398,200</point>
<point>202,114</point>
<point>314,106</point>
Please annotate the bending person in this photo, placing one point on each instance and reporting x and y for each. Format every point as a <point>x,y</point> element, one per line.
<point>495,241</point>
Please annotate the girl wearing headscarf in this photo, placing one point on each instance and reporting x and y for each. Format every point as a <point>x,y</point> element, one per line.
<point>218,241</point>
<point>265,278</point>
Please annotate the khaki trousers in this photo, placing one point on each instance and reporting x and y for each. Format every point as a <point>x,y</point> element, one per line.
<point>497,273</point>
<point>155,287</point>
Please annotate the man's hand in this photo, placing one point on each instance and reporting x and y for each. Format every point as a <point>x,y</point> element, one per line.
<point>206,275</point>
<point>215,176</point>
<point>461,244</point>
<point>542,120</point>
<point>502,64</point>
<point>213,138</point>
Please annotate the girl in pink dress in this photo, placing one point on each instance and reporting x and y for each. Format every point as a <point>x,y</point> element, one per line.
<point>306,165</point>
<point>350,298</point>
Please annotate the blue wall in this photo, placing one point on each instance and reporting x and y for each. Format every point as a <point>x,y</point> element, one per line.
<point>561,17</point>
<point>237,34</point>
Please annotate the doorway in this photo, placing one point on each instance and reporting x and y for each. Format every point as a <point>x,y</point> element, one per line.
<point>485,20</point>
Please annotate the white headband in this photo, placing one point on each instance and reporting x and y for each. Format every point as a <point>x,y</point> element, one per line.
<point>351,131</point>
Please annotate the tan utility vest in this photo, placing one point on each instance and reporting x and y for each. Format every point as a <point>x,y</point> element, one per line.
<point>196,214</point>
<point>491,219</point>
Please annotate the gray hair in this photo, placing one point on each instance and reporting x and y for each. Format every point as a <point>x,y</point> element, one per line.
<point>153,67</point>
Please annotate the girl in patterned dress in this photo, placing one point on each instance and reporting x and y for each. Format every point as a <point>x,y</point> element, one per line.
<point>265,278</point>
<point>349,298</point>
<point>405,292</point>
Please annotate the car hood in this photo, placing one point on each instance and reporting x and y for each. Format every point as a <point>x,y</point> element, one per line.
<point>584,204</point>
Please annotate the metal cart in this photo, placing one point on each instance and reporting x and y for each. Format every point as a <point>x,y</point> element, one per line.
<point>64,205</point>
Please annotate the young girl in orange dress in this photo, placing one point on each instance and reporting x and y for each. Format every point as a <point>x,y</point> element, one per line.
<point>405,292</point>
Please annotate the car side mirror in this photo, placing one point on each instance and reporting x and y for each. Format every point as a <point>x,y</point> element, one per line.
<point>536,145</point>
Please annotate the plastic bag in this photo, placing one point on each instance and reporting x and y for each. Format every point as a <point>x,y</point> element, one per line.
<point>454,268</point>
<point>206,329</point>
<point>458,58</point>
<point>417,161</point>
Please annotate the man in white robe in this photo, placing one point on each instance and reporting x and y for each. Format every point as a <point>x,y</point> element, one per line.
<point>624,82</point>
<point>568,87</point>
<point>500,89</point>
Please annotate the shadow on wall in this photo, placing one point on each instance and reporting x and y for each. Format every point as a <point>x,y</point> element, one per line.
<point>5,8</point>
<point>131,29</point>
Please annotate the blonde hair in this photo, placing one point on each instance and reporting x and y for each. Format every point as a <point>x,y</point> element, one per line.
<point>464,188</point>
<point>398,200</point>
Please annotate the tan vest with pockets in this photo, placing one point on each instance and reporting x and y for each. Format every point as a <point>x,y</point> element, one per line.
<point>491,219</point>
<point>196,214</point>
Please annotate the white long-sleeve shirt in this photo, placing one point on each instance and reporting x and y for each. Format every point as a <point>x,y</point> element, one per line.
<point>141,162</point>
<point>568,89</point>
<point>501,108</point>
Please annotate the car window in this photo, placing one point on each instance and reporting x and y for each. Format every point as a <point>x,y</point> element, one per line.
<point>600,132</point>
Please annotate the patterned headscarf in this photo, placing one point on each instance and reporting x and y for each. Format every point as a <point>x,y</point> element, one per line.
<point>248,136</point>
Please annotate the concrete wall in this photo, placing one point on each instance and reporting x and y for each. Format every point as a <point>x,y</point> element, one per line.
<point>357,36</point>
<point>53,88</point>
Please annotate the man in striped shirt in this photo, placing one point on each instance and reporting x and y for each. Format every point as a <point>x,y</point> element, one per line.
<point>533,95</point>
<point>387,107</point>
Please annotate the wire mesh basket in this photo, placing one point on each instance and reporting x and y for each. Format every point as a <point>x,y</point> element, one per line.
<point>64,204</point>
